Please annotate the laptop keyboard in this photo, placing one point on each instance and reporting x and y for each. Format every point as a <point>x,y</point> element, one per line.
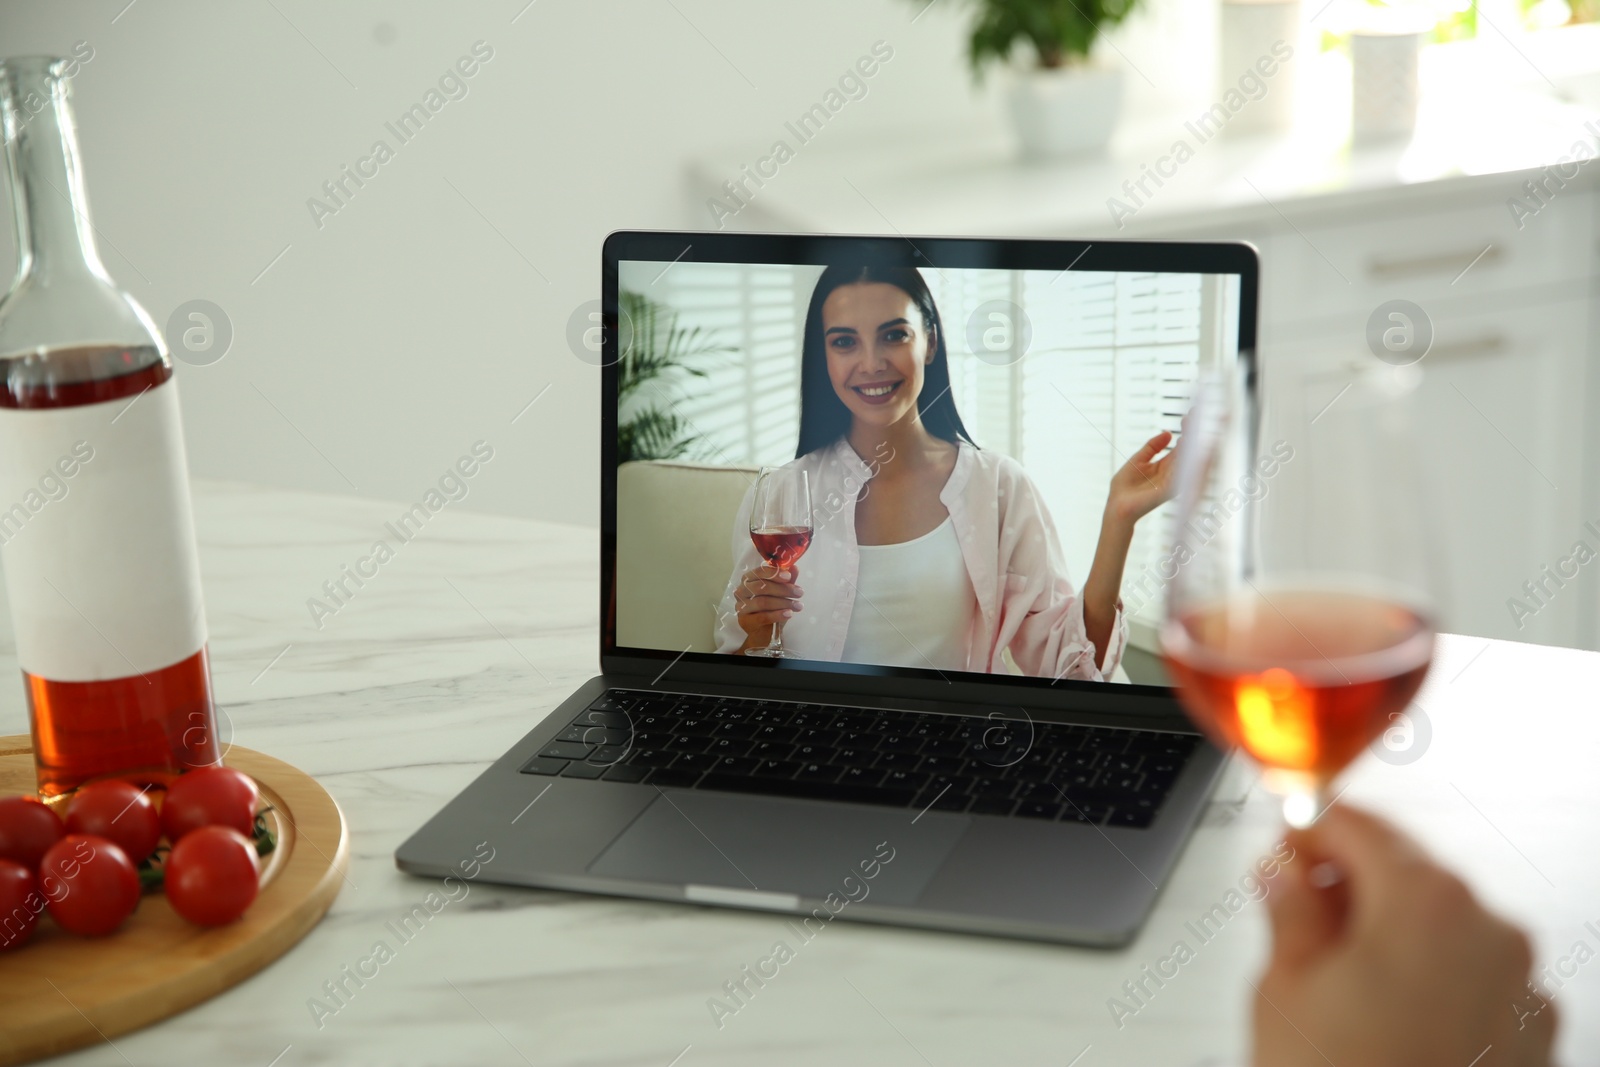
<point>921,760</point>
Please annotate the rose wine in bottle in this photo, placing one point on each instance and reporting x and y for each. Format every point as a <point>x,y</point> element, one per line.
<point>96,528</point>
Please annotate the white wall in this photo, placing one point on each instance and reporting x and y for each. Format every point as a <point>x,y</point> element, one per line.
<point>408,326</point>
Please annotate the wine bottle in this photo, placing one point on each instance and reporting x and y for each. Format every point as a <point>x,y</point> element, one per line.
<point>96,526</point>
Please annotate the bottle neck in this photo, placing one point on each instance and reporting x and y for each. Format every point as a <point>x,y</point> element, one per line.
<point>55,239</point>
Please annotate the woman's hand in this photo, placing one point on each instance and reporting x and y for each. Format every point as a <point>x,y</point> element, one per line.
<point>1143,483</point>
<point>766,596</point>
<point>1395,965</point>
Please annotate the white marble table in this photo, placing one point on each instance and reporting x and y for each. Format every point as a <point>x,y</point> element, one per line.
<point>482,625</point>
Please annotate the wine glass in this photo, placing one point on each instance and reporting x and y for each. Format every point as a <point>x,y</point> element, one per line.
<point>781,527</point>
<point>1300,620</point>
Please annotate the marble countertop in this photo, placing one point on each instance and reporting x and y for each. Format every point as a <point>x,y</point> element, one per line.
<point>481,625</point>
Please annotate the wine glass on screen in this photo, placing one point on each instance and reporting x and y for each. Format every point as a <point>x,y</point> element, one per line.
<point>781,528</point>
<point>1300,621</point>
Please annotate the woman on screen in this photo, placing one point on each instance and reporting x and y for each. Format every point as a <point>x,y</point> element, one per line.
<point>928,552</point>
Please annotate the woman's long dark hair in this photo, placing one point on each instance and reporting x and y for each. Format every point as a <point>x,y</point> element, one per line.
<point>823,417</point>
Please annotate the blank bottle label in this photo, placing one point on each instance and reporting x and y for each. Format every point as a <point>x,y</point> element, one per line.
<point>95,534</point>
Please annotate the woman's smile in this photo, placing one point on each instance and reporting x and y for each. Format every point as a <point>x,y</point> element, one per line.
<point>878,392</point>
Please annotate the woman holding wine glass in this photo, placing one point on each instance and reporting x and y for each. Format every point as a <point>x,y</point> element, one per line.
<point>923,550</point>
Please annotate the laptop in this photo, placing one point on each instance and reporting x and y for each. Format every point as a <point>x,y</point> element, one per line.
<point>965,728</point>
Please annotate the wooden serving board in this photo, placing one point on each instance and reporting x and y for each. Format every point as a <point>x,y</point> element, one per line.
<point>61,992</point>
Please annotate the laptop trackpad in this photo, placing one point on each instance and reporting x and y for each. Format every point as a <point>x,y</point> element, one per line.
<point>775,845</point>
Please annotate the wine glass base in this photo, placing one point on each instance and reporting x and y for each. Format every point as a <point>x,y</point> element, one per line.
<point>769,653</point>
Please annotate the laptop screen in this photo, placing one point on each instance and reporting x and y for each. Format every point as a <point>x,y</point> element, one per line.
<point>965,447</point>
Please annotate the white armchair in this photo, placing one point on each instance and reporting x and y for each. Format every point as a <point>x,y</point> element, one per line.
<point>674,529</point>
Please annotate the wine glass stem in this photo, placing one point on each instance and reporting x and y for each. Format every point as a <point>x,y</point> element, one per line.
<point>1304,804</point>
<point>775,642</point>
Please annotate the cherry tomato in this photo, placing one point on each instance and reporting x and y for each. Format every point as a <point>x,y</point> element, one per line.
<point>27,830</point>
<point>89,884</point>
<point>20,904</point>
<point>212,875</point>
<point>118,811</point>
<point>210,796</point>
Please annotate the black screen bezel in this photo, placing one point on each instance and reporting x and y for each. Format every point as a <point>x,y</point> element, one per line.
<point>808,676</point>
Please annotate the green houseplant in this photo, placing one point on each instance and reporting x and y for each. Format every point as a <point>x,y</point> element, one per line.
<point>657,352</point>
<point>1062,102</point>
<point>1061,32</point>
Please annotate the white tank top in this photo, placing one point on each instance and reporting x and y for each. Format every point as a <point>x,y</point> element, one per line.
<point>914,604</point>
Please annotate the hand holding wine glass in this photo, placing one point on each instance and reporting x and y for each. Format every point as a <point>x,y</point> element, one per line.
<point>781,529</point>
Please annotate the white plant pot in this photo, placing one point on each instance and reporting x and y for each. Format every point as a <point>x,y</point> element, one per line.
<point>1067,112</point>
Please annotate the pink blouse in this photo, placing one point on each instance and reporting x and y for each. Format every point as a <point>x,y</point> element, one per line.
<point>1026,602</point>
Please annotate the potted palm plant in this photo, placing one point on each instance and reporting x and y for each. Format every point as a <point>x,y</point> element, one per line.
<point>1062,101</point>
<point>659,354</point>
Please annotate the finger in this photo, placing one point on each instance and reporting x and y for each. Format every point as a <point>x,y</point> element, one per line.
<point>1379,863</point>
<point>766,588</point>
<point>762,604</point>
<point>1303,919</point>
<point>767,575</point>
<point>758,620</point>
<point>1148,451</point>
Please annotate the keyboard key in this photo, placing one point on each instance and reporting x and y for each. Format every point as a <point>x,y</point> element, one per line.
<point>646,757</point>
<point>624,772</point>
<point>1104,741</point>
<point>777,768</point>
<point>906,779</point>
<point>729,746</point>
<point>858,739</point>
<point>736,729</point>
<point>898,761</point>
<point>949,749</point>
<point>688,743</point>
<point>772,750</point>
<point>736,765</point>
<point>819,772</point>
<point>543,765</point>
<point>592,735</point>
<point>694,761</point>
<point>785,734</point>
<point>608,754</point>
<point>855,775</point>
<point>941,764</point>
<point>601,718</point>
<point>899,743</point>
<point>1126,784</point>
<point>584,770</point>
<point>850,757</point>
<point>1038,809</point>
<point>564,750</point>
<point>1089,813</point>
<point>1131,817</point>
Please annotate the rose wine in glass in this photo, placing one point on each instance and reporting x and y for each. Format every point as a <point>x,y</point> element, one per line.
<point>1298,621</point>
<point>780,528</point>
